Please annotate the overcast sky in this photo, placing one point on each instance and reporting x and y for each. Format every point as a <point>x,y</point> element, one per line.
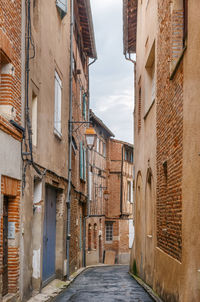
<point>111,76</point>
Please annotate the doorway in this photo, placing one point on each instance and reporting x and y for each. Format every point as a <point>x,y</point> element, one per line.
<point>49,236</point>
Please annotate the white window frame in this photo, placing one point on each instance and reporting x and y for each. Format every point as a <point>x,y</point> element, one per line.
<point>58,106</point>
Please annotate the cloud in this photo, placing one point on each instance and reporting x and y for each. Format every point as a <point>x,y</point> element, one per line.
<point>111,77</point>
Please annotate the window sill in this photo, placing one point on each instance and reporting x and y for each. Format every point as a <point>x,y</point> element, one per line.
<point>108,242</point>
<point>57,134</point>
<point>176,66</point>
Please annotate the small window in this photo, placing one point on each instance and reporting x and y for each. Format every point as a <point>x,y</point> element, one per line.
<point>109,231</point>
<point>130,191</point>
<point>62,7</point>
<point>82,161</point>
<point>58,97</point>
<point>104,149</point>
<point>84,106</point>
<point>97,144</point>
<point>34,119</point>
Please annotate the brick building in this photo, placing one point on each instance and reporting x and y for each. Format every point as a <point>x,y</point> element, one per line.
<point>109,226</point>
<point>166,247</point>
<point>84,49</point>
<point>47,66</point>
<point>11,109</point>
<point>95,222</point>
<point>119,230</point>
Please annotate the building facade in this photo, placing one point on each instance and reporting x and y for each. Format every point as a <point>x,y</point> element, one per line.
<point>119,230</point>
<point>84,49</point>
<point>165,251</point>
<point>11,132</point>
<point>47,59</point>
<point>95,221</point>
<point>109,224</point>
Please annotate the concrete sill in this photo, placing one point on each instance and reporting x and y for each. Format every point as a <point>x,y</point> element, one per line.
<point>149,236</point>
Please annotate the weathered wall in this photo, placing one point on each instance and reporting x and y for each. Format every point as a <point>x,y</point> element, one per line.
<point>10,151</point>
<point>50,35</point>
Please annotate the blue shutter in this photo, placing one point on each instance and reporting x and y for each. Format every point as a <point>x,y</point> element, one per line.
<point>84,164</point>
<point>81,160</point>
<point>62,7</point>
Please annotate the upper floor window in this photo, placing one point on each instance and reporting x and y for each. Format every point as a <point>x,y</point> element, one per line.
<point>130,191</point>
<point>62,7</point>
<point>109,231</point>
<point>128,155</point>
<point>58,98</point>
<point>84,106</point>
<point>104,149</point>
<point>82,161</point>
<point>179,28</point>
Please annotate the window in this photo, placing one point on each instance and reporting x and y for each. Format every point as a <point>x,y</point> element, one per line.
<point>84,106</point>
<point>109,231</point>
<point>150,80</point>
<point>128,155</point>
<point>82,160</point>
<point>139,109</point>
<point>58,97</point>
<point>97,144</point>
<point>130,191</point>
<point>89,237</point>
<point>34,119</point>
<point>62,7</point>
<point>104,149</point>
<point>179,28</point>
<point>95,236</point>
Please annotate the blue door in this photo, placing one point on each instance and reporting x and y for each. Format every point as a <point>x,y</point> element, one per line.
<point>49,235</point>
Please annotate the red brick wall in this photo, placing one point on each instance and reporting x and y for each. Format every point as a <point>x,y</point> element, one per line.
<point>169,140</point>
<point>11,187</point>
<point>10,52</point>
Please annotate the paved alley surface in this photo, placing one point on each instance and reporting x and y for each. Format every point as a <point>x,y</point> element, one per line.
<point>107,284</point>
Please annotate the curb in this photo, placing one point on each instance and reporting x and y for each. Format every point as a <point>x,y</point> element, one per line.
<point>147,288</point>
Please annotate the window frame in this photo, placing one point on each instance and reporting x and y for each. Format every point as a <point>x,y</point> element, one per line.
<point>57,105</point>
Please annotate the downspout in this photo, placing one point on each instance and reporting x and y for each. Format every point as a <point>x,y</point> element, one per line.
<point>68,199</point>
<point>128,58</point>
<point>88,177</point>
<point>121,184</point>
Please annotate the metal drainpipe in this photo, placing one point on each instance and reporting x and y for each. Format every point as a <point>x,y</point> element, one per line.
<point>68,199</point>
<point>88,179</point>
<point>134,62</point>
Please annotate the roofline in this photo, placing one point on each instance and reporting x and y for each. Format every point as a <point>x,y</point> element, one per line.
<point>122,142</point>
<point>91,28</point>
<point>101,123</point>
<point>126,16</point>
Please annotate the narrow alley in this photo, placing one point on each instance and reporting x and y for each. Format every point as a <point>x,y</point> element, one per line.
<point>109,284</point>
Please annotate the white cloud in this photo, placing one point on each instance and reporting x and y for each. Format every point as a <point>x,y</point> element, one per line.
<point>111,76</point>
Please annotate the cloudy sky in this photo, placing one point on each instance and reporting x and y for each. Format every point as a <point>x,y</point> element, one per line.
<point>111,76</point>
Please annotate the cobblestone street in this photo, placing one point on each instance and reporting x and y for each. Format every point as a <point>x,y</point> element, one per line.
<point>109,284</point>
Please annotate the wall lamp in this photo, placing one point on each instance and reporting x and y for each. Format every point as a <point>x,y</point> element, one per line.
<point>90,133</point>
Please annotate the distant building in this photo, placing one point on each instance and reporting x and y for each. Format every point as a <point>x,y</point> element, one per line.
<point>110,223</point>
<point>166,123</point>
